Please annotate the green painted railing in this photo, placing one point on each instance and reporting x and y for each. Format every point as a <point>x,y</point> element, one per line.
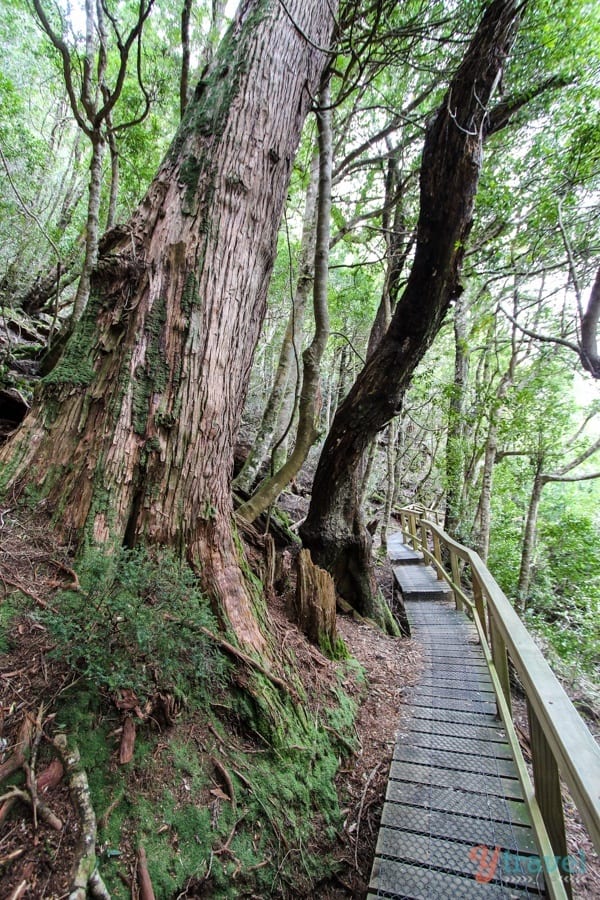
<point>561,744</point>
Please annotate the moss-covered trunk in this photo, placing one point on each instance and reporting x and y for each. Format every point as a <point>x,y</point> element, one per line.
<point>131,437</point>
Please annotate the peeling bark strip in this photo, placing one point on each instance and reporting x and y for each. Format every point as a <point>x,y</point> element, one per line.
<point>450,169</point>
<point>132,437</point>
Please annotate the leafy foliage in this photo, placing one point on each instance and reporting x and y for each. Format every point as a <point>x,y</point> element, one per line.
<point>135,624</point>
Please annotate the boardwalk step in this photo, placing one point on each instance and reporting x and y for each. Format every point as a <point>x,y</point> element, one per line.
<point>399,552</point>
<point>487,832</point>
<point>419,583</point>
<point>420,883</point>
<point>463,762</point>
<point>456,857</point>
<point>475,782</point>
<point>445,743</point>
<point>456,800</point>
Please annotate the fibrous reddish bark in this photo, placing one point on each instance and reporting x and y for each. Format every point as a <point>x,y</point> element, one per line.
<point>290,347</point>
<point>334,530</point>
<point>132,437</point>
<point>309,405</point>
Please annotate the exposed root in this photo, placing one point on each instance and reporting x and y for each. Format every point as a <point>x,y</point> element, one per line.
<point>86,871</point>
<point>39,809</point>
<point>22,747</point>
<point>226,778</point>
<point>252,663</point>
<point>144,882</point>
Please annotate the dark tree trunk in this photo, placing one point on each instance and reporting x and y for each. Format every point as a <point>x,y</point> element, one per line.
<point>450,171</point>
<point>132,438</point>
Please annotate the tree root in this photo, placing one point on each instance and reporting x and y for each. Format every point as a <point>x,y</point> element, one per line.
<point>22,747</point>
<point>39,809</point>
<point>226,778</point>
<point>145,884</point>
<point>251,663</point>
<point>19,587</point>
<point>86,872</point>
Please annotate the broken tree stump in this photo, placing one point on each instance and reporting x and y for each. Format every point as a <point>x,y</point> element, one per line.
<point>314,604</point>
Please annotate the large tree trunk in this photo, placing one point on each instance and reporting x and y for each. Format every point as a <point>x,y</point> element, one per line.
<point>132,438</point>
<point>450,170</point>
<point>309,406</point>
<point>289,355</point>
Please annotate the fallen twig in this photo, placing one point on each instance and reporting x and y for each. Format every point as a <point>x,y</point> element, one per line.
<point>360,809</point>
<point>14,855</point>
<point>127,741</point>
<point>19,891</point>
<point>29,768</point>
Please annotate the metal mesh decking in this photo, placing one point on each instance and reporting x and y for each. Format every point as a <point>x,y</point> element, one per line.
<point>454,824</point>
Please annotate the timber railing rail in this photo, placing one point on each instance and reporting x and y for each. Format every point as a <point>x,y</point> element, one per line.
<point>561,744</point>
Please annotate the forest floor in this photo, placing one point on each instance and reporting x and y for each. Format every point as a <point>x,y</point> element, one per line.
<point>38,852</point>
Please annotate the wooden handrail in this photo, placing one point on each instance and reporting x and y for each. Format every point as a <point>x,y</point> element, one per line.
<point>560,740</point>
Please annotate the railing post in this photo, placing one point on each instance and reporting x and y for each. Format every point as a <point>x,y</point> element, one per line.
<point>479,604</point>
<point>500,658</point>
<point>412,520</point>
<point>456,578</point>
<point>437,552</point>
<point>546,781</point>
<point>424,542</point>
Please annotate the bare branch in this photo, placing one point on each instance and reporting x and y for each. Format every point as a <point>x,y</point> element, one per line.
<point>580,459</point>
<point>502,114</point>
<point>589,477</point>
<point>66,65</point>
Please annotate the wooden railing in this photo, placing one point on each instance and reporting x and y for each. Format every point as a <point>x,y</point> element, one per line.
<point>561,744</point>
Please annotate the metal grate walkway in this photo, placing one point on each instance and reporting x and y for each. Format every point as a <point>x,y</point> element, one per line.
<point>454,824</point>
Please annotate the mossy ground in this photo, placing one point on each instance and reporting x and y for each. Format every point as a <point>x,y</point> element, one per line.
<point>236,795</point>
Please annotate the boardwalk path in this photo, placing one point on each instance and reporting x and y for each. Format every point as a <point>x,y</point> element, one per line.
<point>454,808</point>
